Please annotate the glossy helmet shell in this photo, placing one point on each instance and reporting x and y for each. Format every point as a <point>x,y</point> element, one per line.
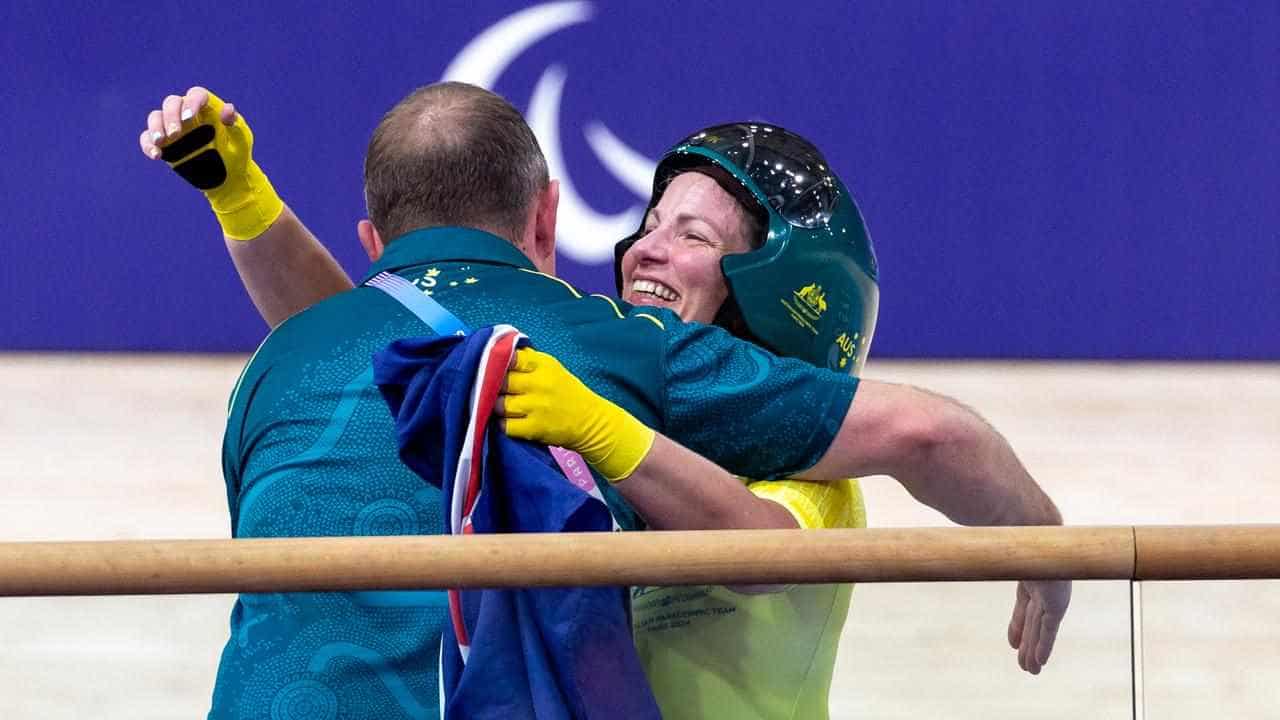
<point>810,290</point>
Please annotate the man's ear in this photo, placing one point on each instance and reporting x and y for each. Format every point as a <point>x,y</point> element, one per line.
<point>544,228</point>
<point>370,240</point>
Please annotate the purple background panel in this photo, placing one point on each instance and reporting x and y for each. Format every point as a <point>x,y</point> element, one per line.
<point>1042,180</point>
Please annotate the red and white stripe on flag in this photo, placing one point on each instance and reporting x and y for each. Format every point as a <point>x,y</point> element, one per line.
<point>496,359</point>
<point>498,355</point>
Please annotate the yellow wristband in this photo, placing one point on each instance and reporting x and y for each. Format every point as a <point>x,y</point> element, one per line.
<point>626,454</point>
<point>246,209</point>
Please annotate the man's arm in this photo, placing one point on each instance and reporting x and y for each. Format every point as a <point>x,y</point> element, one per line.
<point>944,454</point>
<point>950,459</point>
<point>284,268</point>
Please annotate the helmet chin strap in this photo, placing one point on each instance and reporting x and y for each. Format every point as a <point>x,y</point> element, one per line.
<point>619,250</point>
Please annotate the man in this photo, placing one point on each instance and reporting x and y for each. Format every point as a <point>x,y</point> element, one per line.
<point>304,423</point>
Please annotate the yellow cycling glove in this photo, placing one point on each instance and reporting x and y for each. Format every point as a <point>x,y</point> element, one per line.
<point>545,403</point>
<point>218,160</point>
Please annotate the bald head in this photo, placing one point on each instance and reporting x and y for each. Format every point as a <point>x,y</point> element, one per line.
<point>453,154</point>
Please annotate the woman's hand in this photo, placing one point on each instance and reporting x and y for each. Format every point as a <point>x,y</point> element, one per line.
<point>543,402</point>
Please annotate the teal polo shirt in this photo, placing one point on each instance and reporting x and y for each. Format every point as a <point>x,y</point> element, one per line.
<point>310,450</point>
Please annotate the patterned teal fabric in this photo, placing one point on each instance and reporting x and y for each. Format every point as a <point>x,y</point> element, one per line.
<point>756,414</point>
<point>310,450</point>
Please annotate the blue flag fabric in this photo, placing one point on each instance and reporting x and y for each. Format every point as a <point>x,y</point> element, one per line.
<point>528,653</point>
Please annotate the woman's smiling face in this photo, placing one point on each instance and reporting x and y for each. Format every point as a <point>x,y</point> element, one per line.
<point>676,262</point>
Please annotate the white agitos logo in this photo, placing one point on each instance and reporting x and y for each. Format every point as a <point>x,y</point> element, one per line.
<point>584,235</point>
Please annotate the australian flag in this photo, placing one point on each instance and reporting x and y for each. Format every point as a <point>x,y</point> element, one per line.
<point>548,654</point>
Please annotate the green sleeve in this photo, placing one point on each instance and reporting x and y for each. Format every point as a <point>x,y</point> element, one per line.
<point>751,412</point>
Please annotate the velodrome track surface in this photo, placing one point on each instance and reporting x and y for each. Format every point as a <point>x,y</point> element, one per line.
<point>123,446</point>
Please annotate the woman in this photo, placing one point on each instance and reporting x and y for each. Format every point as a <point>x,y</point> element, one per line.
<point>747,229</point>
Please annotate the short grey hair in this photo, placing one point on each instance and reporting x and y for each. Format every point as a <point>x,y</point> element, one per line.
<point>453,154</point>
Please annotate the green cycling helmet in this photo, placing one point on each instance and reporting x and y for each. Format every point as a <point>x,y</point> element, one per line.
<point>809,288</point>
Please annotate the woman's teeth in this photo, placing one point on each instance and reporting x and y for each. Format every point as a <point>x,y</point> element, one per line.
<point>656,289</point>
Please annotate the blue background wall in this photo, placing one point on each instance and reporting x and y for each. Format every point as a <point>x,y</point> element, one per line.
<point>1042,179</point>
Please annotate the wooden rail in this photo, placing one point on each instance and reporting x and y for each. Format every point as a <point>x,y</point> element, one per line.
<point>146,567</point>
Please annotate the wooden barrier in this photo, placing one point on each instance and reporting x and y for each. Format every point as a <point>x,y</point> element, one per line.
<point>148,567</point>
<point>1207,552</point>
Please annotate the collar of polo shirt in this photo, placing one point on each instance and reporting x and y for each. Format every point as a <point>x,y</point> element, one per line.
<point>448,244</point>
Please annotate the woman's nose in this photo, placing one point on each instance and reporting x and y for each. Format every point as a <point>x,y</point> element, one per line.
<point>653,246</point>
